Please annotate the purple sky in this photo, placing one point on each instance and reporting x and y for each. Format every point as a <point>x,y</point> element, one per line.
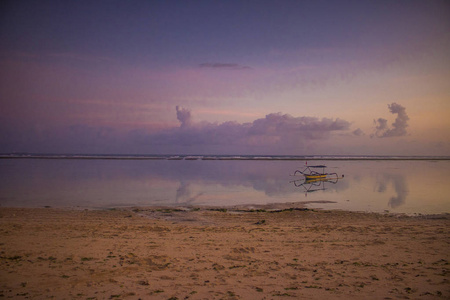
<point>225,77</point>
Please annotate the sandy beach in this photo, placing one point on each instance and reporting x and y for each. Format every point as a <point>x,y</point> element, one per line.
<point>166,253</point>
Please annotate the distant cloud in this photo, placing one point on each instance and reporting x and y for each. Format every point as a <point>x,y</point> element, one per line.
<point>227,66</point>
<point>398,127</point>
<point>358,132</point>
<point>275,129</point>
<point>184,116</point>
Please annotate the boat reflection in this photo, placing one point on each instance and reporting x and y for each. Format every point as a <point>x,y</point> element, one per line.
<point>314,185</point>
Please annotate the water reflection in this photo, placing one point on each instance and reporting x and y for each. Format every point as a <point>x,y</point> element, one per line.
<point>368,185</point>
<point>313,185</point>
<point>400,187</point>
<point>184,194</point>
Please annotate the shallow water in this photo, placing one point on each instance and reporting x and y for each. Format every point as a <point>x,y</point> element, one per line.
<point>398,186</point>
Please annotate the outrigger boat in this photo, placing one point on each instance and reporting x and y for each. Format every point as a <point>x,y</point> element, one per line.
<point>314,180</point>
<point>311,174</point>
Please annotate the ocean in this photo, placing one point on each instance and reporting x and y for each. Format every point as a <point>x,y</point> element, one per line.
<point>384,184</point>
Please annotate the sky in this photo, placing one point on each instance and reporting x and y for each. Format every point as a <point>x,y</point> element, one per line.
<point>225,77</point>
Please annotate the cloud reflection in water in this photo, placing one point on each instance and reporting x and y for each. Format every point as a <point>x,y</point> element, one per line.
<point>400,187</point>
<point>367,186</point>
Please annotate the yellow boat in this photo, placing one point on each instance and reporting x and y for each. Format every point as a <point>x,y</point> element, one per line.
<point>311,174</point>
<point>315,180</point>
<point>316,176</point>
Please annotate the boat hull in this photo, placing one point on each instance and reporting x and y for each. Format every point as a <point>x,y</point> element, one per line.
<point>315,176</point>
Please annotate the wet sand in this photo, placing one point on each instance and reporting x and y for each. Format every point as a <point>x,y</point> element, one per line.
<point>165,253</point>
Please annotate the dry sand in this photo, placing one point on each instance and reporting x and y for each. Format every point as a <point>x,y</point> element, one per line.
<point>204,254</point>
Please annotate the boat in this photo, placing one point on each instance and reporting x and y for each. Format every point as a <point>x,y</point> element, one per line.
<point>315,178</point>
<point>313,173</point>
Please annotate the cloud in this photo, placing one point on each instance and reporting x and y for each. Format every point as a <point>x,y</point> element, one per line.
<point>399,126</point>
<point>358,132</point>
<point>184,116</point>
<point>227,66</point>
<point>274,130</point>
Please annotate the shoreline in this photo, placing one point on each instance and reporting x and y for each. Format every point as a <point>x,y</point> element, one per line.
<point>240,208</point>
<point>213,253</point>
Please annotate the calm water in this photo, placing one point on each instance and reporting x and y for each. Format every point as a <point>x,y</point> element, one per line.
<point>399,186</point>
